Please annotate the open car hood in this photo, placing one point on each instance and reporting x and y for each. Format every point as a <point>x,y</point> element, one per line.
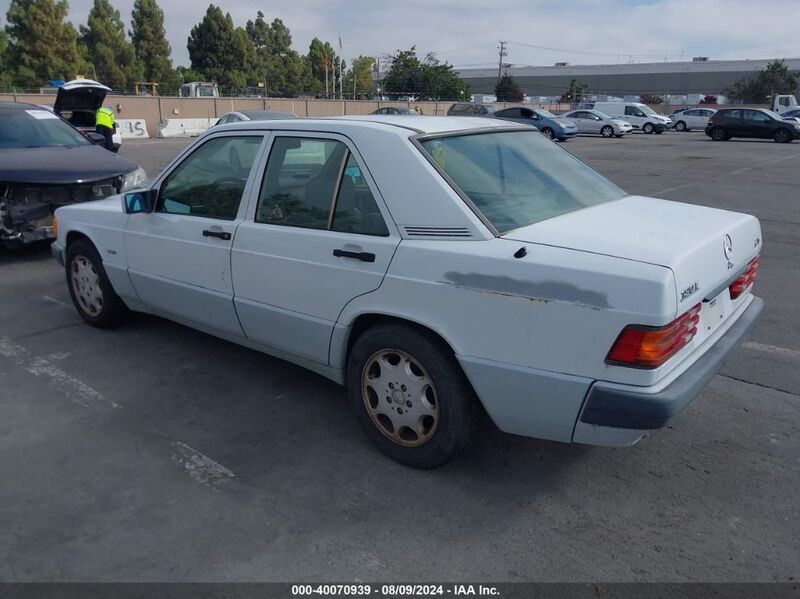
<point>80,94</point>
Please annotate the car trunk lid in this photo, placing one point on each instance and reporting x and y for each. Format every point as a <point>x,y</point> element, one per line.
<point>83,95</point>
<point>706,248</point>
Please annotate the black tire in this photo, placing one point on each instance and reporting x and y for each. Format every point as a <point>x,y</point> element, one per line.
<point>659,131</point>
<point>782,136</point>
<point>648,128</point>
<point>110,311</point>
<point>607,131</point>
<point>457,406</point>
<point>563,139</point>
<point>681,126</point>
<point>618,136</point>
<point>719,134</point>
<point>548,133</point>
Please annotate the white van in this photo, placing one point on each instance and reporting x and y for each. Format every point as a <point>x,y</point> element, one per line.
<point>641,116</point>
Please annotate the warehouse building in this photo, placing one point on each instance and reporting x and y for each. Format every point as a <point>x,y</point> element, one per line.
<point>700,76</point>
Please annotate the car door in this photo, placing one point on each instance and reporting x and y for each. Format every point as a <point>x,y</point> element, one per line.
<point>179,255</point>
<point>309,247</point>
<point>591,123</point>
<point>759,124</point>
<point>634,116</point>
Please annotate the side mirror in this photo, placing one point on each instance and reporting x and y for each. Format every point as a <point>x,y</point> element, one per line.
<point>137,202</point>
<point>97,139</point>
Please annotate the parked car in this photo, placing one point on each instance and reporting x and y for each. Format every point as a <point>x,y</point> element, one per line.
<point>470,109</point>
<point>596,122</point>
<point>641,116</point>
<point>253,115</point>
<point>751,122</point>
<point>396,110</point>
<point>792,114</point>
<point>692,118</point>
<point>78,101</point>
<point>429,265</point>
<point>45,163</point>
<point>551,126</point>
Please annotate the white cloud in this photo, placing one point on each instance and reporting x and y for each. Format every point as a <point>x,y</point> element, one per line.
<point>465,32</point>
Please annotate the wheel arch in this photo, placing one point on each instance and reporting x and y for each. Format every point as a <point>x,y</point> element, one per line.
<point>349,334</point>
<point>75,235</point>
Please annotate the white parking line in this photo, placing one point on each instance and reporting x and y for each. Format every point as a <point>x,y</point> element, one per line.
<point>53,300</point>
<point>199,466</point>
<point>72,388</point>
<point>773,349</point>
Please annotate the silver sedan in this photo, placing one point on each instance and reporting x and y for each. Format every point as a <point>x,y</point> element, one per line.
<point>597,122</point>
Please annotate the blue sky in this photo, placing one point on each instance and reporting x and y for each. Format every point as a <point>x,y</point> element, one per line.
<point>465,32</point>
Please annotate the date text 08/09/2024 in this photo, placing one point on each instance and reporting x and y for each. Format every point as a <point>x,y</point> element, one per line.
<point>394,590</point>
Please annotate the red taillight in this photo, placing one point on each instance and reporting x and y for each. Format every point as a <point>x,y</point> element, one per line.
<point>650,347</point>
<point>740,285</point>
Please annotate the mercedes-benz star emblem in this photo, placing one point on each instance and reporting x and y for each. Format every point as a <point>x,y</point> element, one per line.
<point>727,246</point>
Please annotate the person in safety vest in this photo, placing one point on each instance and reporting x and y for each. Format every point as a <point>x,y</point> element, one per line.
<point>105,124</point>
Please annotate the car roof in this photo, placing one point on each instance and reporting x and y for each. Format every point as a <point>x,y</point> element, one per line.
<point>400,124</point>
<point>267,114</point>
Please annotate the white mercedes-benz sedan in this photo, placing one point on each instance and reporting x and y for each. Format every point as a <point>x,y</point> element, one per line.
<point>437,268</point>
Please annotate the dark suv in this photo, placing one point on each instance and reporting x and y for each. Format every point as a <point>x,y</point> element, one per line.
<point>751,122</point>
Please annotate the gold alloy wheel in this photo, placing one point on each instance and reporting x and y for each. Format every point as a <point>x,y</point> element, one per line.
<point>400,397</point>
<point>86,285</point>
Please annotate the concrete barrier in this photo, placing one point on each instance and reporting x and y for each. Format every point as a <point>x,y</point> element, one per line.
<point>133,128</point>
<point>184,127</point>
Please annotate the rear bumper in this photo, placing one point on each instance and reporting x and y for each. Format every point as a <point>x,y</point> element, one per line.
<point>630,407</point>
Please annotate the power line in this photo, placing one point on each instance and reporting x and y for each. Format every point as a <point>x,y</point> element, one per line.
<point>592,52</point>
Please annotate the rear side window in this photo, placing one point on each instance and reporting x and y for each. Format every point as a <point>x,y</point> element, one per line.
<point>211,181</point>
<point>518,178</point>
<point>317,184</point>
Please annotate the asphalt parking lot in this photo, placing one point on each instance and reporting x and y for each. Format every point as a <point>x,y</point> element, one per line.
<point>158,453</point>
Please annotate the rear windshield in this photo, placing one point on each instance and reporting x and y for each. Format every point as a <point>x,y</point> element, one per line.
<point>518,178</point>
<point>36,128</point>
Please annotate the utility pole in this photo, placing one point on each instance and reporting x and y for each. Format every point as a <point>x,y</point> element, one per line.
<point>503,54</point>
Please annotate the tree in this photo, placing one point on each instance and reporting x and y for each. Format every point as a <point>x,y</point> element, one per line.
<point>5,66</point>
<point>107,47</point>
<point>219,50</point>
<point>150,42</point>
<point>282,69</point>
<point>575,93</point>
<point>508,90</point>
<point>321,59</point>
<point>775,78</point>
<point>709,100</point>
<point>427,80</point>
<point>41,44</point>
<point>358,80</point>
<point>651,99</point>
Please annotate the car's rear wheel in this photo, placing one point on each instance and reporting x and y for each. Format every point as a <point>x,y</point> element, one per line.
<point>680,126</point>
<point>607,131</point>
<point>89,287</point>
<point>719,134</point>
<point>548,133</point>
<point>410,395</point>
<point>648,128</point>
<point>782,136</point>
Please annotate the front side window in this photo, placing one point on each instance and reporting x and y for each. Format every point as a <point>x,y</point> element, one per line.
<point>317,184</point>
<point>211,181</point>
<point>754,115</point>
<point>510,113</point>
<point>518,178</point>
<point>633,111</point>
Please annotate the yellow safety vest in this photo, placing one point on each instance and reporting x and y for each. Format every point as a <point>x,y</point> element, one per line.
<point>105,118</point>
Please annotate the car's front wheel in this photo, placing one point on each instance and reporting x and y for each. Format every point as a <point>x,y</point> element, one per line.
<point>607,131</point>
<point>548,133</point>
<point>410,395</point>
<point>648,128</point>
<point>89,287</point>
<point>680,126</point>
